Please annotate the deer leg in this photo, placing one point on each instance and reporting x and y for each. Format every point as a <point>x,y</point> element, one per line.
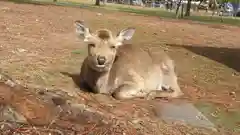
<point>128,91</point>
<point>173,92</point>
<point>169,82</point>
<point>166,81</point>
<point>174,86</point>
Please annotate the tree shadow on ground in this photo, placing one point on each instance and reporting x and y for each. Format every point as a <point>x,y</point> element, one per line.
<point>227,56</point>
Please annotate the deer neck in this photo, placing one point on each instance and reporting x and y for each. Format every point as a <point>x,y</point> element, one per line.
<point>100,81</point>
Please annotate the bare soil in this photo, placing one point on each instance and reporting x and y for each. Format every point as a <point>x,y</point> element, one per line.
<point>37,44</point>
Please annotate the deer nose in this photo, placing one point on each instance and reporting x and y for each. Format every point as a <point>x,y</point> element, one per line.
<point>101,60</point>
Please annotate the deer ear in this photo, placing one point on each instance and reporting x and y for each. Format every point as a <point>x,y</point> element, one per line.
<point>82,30</point>
<point>125,34</point>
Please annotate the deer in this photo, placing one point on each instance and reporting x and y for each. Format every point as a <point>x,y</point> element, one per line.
<point>125,71</point>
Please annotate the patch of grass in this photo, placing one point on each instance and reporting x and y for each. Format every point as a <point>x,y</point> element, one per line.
<point>219,115</point>
<point>50,2</point>
<point>131,9</point>
<point>215,19</point>
<point>148,12</point>
<point>166,14</point>
<point>78,52</point>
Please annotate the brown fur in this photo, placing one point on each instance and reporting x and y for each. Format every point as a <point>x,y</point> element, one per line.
<point>129,71</point>
<point>104,34</point>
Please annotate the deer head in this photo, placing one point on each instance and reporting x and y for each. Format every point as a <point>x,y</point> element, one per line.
<point>102,45</point>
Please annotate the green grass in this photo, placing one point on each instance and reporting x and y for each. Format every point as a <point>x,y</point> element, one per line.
<point>166,14</point>
<point>50,2</point>
<point>78,52</point>
<point>223,118</point>
<point>159,13</point>
<point>123,8</point>
<point>207,19</point>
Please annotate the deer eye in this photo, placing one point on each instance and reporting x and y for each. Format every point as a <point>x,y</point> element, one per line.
<point>113,47</point>
<point>92,45</point>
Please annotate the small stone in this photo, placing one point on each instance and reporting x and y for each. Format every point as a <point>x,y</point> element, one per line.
<point>21,50</point>
<point>163,31</point>
<point>10,83</point>
<point>136,121</point>
<point>214,114</point>
<point>99,14</point>
<point>41,92</point>
<point>200,117</point>
<point>58,101</point>
<point>5,8</point>
<point>233,94</point>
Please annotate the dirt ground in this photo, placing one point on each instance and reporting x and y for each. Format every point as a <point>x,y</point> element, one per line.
<point>37,43</point>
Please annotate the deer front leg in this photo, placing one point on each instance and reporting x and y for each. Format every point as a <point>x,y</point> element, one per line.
<point>174,89</point>
<point>171,84</point>
<point>128,91</point>
<point>173,92</point>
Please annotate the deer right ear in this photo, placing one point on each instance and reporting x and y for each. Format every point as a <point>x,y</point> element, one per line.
<point>82,31</point>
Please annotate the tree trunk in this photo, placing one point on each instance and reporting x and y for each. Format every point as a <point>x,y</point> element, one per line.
<point>182,7</point>
<point>97,3</point>
<point>201,1</point>
<point>178,7</point>
<point>131,2</point>
<point>188,8</point>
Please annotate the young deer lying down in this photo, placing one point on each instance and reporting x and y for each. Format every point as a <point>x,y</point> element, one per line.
<point>124,70</point>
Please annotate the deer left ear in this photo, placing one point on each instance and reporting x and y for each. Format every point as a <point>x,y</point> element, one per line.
<point>82,30</point>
